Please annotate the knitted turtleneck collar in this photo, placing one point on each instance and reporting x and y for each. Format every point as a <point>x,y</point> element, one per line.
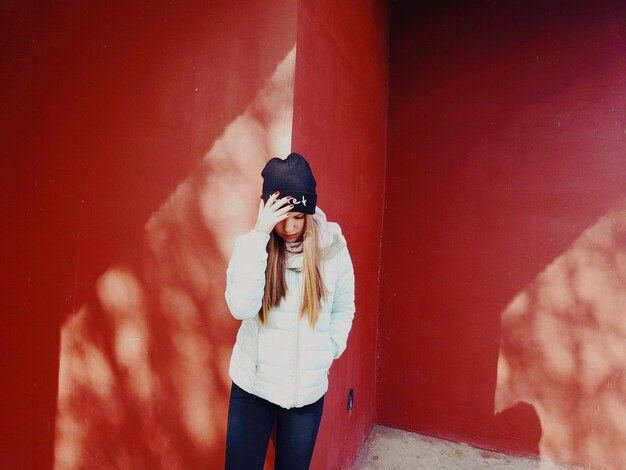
<point>294,247</point>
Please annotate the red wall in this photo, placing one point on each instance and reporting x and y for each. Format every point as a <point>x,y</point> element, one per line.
<point>131,137</point>
<point>340,125</point>
<point>502,269</point>
<point>134,139</point>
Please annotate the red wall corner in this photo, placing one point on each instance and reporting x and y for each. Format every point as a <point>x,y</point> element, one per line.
<point>500,292</point>
<point>340,126</point>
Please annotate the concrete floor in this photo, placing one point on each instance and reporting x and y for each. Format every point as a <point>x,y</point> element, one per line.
<point>394,449</point>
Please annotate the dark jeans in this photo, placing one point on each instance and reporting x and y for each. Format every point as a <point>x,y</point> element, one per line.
<point>250,421</point>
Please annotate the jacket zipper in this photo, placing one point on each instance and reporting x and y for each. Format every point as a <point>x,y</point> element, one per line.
<point>258,342</point>
<point>295,400</point>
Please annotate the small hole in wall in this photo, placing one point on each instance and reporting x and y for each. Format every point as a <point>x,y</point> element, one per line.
<point>350,400</point>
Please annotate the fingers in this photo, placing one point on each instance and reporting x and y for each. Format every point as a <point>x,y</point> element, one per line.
<point>274,203</point>
<point>282,203</point>
<point>271,212</point>
<point>272,198</point>
<point>277,203</point>
<point>284,210</point>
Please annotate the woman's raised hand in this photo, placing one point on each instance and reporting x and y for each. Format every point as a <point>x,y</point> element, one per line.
<point>272,212</point>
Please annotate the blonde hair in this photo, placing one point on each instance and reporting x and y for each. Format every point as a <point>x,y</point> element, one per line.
<point>276,284</point>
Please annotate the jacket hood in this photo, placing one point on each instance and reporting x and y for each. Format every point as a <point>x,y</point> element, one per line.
<point>331,238</point>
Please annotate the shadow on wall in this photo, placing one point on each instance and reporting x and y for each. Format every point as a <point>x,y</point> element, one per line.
<point>143,372</point>
<point>518,429</point>
<point>564,344</point>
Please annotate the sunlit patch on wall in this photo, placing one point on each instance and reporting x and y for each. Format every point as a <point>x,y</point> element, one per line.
<point>232,167</point>
<point>563,348</point>
<point>143,377</point>
<point>121,297</point>
<point>84,369</point>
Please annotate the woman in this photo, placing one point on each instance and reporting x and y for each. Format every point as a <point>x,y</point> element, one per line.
<point>291,281</point>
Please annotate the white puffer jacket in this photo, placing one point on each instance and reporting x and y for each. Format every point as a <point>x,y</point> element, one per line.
<point>286,361</point>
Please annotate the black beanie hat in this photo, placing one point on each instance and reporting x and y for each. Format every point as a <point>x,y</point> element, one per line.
<point>292,177</point>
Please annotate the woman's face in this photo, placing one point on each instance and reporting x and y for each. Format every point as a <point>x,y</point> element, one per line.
<point>291,228</point>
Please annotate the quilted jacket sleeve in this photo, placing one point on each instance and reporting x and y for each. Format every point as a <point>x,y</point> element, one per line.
<point>245,276</point>
<point>343,304</point>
